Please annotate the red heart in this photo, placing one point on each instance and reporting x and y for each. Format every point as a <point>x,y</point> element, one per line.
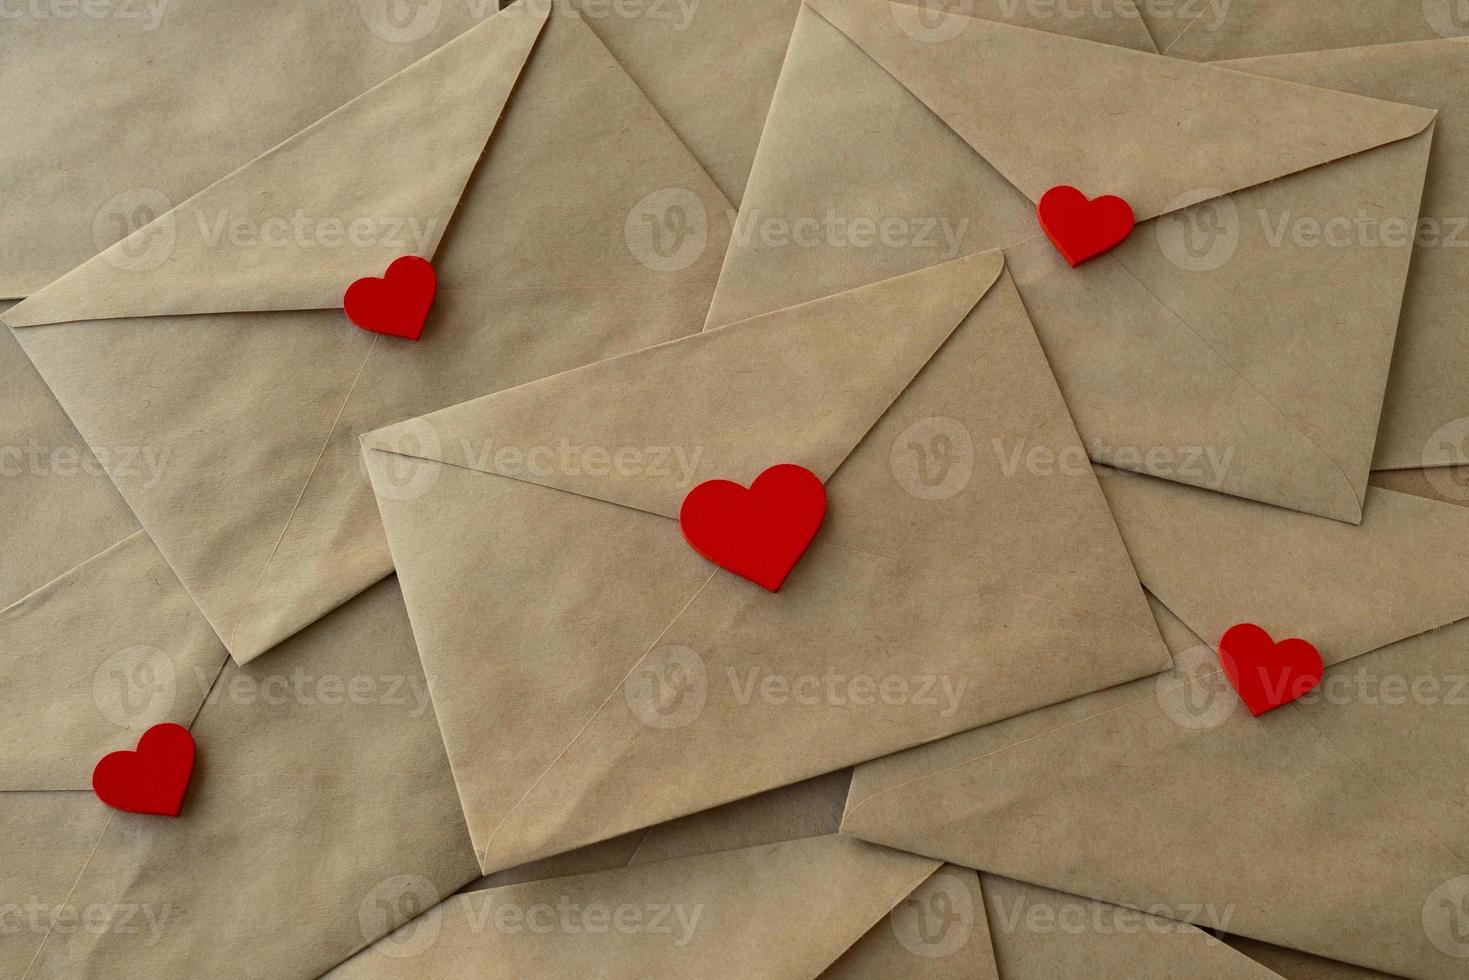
<point>759,533</point>
<point>1081,229</point>
<point>398,303</point>
<point>1265,673</point>
<point>152,779</point>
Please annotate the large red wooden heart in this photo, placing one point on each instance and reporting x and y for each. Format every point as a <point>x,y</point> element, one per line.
<point>1081,229</point>
<point>398,303</point>
<point>1265,673</point>
<point>759,533</point>
<point>153,778</point>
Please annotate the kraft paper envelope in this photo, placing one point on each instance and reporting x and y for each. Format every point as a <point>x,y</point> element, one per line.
<point>321,807</point>
<point>229,357</point>
<point>593,675</point>
<point>1295,965</point>
<point>97,147</point>
<point>1261,378</point>
<point>1333,825</point>
<point>1426,415</point>
<point>1215,30</point>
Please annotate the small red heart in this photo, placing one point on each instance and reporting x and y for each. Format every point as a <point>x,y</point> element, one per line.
<point>1081,229</point>
<point>1265,673</point>
<point>759,533</point>
<point>152,779</point>
<point>398,303</point>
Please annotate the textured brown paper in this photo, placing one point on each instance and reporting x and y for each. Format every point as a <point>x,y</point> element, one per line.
<point>560,591</point>
<point>548,263</point>
<point>1295,965</point>
<point>1332,825</point>
<point>1426,415</point>
<point>98,640</point>
<point>320,817</point>
<point>1247,28</point>
<point>927,150</point>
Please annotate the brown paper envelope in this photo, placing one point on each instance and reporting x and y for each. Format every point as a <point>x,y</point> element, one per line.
<point>546,576</point>
<point>1213,30</point>
<point>1331,826</point>
<point>320,817</point>
<point>779,911</point>
<point>1426,414</point>
<point>924,151</point>
<point>264,511</point>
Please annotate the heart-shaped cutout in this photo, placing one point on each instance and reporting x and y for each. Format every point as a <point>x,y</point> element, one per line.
<point>1265,673</point>
<point>1081,229</point>
<point>397,304</point>
<point>151,779</point>
<point>759,533</point>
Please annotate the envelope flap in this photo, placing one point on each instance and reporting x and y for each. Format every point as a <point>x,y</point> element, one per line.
<point>377,179</point>
<point>1045,109</point>
<point>1216,561</point>
<point>801,385</point>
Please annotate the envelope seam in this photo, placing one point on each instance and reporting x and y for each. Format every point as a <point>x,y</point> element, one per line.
<point>70,572</point>
<point>306,485</point>
<point>1187,28</point>
<point>66,902</point>
<point>594,716</point>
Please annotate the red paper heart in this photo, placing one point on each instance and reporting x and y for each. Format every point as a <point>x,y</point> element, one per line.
<point>1265,673</point>
<point>398,303</point>
<point>152,779</point>
<point>1081,229</point>
<point>759,533</point>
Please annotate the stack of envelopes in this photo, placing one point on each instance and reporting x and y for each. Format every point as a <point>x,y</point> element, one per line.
<point>465,701</point>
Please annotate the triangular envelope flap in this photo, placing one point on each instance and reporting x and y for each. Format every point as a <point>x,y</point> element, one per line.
<point>376,179</point>
<point>1217,561</point>
<point>801,385</point>
<point>1045,110</point>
